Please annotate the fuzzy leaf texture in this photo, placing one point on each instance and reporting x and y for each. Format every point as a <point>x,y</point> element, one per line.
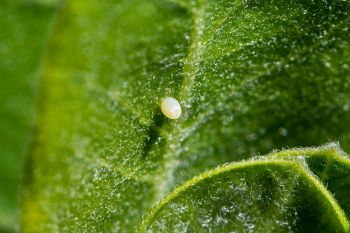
<point>251,76</point>
<point>277,193</point>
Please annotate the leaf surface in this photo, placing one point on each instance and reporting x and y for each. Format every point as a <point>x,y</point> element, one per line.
<point>251,76</point>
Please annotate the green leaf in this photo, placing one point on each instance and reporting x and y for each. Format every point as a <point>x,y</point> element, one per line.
<point>251,76</point>
<point>264,195</point>
<point>330,164</point>
<point>23,33</point>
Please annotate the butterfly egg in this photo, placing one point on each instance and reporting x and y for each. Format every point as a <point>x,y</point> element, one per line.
<point>171,108</point>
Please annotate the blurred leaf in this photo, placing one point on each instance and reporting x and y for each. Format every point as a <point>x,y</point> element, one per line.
<point>274,194</point>
<point>23,31</point>
<point>251,76</point>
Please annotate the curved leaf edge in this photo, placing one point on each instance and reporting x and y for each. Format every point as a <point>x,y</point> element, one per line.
<point>288,158</point>
<point>331,149</point>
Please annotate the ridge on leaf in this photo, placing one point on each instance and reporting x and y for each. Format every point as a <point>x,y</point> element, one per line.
<point>274,193</point>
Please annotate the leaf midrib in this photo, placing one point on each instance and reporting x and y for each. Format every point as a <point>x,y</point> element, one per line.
<point>172,147</point>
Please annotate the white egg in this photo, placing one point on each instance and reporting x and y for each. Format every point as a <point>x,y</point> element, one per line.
<point>171,108</point>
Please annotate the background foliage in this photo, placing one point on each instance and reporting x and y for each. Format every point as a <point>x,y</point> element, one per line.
<point>24,27</point>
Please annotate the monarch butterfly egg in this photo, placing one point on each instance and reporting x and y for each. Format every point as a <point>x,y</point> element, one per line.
<point>171,108</point>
